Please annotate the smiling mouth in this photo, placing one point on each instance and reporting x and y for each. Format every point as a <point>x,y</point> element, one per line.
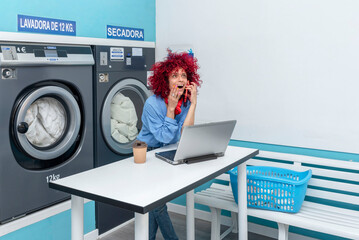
<point>180,87</point>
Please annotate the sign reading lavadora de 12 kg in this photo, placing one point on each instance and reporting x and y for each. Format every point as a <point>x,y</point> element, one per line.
<point>45,25</point>
<point>126,33</point>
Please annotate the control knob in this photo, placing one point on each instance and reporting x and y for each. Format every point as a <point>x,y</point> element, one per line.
<point>6,73</point>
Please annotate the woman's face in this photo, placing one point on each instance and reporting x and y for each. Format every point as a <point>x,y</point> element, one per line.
<point>178,78</point>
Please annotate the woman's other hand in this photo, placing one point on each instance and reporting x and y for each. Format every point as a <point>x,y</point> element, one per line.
<point>173,98</point>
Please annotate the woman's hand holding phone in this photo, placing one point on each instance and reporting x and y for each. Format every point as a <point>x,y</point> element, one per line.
<point>192,95</point>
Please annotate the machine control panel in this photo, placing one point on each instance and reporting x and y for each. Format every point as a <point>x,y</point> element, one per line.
<point>120,58</point>
<point>18,54</point>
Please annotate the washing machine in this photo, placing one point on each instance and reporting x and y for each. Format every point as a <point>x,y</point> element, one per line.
<point>120,91</point>
<point>46,122</point>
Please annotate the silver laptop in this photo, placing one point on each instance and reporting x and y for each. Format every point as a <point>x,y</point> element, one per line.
<point>200,142</point>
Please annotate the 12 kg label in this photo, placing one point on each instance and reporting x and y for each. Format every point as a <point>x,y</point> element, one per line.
<point>52,177</point>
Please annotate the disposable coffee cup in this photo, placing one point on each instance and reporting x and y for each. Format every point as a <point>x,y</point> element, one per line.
<point>139,151</point>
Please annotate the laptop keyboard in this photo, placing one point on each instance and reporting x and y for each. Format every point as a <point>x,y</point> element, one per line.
<point>168,154</point>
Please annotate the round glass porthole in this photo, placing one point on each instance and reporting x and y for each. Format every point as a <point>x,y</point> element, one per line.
<point>121,114</point>
<point>47,122</point>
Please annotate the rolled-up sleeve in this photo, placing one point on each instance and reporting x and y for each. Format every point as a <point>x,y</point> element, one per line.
<point>164,129</point>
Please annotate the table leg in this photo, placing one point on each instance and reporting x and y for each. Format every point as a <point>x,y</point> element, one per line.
<point>141,226</point>
<point>190,215</point>
<point>242,202</point>
<point>77,218</point>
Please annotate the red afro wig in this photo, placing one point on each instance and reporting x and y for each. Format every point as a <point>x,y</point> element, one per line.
<point>174,61</point>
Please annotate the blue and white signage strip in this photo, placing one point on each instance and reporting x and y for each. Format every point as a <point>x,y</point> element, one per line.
<point>45,25</point>
<point>125,33</point>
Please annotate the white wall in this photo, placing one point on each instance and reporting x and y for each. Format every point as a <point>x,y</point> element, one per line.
<point>288,71</point>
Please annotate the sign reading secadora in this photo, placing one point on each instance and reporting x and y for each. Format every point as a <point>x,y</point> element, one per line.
<point>125,33</point>
<point>45,25</point>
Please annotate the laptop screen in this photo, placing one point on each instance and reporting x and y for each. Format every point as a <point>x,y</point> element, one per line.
<point>205,139</point>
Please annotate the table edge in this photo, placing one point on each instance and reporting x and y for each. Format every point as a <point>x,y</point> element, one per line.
<point>145,209</point>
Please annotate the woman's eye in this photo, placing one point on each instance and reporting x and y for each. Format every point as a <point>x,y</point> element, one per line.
<point>174,75</point>
<point>184,75</point>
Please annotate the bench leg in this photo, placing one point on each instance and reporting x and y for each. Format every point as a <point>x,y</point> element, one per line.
<point>234,222</point>
<point>216,223</point>
<point>282,231</point>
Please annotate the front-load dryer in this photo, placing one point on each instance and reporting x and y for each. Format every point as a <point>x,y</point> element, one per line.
<point>120,91</point>
<point>46,122</point>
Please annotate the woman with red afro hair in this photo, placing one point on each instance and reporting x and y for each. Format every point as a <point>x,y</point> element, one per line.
<point>173,105</point>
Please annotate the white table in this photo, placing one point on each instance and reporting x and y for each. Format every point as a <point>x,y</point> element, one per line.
<point>143,187</point>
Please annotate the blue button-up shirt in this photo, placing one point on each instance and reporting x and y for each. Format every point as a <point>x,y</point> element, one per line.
<point>158,129</point>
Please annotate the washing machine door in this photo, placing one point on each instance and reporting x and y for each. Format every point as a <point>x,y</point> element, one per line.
<point>121,114</point>
<point>47,122</point>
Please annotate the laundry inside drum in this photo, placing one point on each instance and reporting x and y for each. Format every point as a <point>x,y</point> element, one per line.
<point>46,118</point>
<point>123,119</point>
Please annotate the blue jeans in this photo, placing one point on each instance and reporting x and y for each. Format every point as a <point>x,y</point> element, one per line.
<point>159,218</point>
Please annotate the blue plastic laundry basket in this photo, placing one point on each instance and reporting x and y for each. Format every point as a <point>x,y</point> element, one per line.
<point>273,188</point>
